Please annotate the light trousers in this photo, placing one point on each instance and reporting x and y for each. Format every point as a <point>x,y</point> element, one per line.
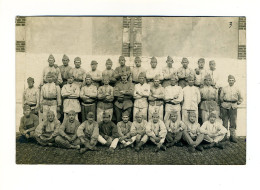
<point>104,141</point>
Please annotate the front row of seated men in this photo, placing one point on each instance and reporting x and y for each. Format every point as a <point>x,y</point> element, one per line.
<point>73,135</point>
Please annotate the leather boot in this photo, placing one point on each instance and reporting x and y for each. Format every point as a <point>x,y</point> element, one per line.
<point>233,137</point>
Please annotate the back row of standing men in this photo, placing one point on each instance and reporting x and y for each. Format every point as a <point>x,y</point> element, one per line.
<point>126,90</point>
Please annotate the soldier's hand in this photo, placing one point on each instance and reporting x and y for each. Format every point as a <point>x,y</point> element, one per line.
<point>27,136</point>
<point>157,139</point>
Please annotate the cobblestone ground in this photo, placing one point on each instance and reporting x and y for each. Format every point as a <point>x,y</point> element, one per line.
<point>32,153</point>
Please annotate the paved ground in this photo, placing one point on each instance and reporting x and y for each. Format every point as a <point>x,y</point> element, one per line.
<point>31,153</point>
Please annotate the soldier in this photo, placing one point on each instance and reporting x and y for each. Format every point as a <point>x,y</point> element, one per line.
<point>156,131</point>
<point>214,74</point>
<point>137,70</point>
<point>105,97</point>
<point>173,97</point>
<point>153,71</point>
<point>168,71</point>
<point>51,69</point>
<point>70,93</point>
<point>156,98</point>
<point>175,128</point>
<point>191,99</point>
<point>138,131</point>
<point>200,73</point>
<point>88,95</point>
<point>50,97</point>
<point>184,72</point>
<point>141,93</point>
<point>65,69</point>
<point>108,133</point>
<point>230,98</point>
<point>123,91</point>
<point>95,74</point>
<point>67,137</point>
<point>78,73</point>
<point>122,69</point>
<point>28,123</point>
<point>109,72</point>
<point>31,96</point>
<point>47,131</point>
<point>192,133</point>
<point>88,133</point>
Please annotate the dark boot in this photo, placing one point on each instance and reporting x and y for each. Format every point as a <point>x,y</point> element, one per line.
<point>168,145</point>
<point>233,139</point>
<point>163,148</point>
<point>208,146</point>
<point>219,145</point>
<point>199,148</point>
<point>138,146</point>
<point>191,149</point>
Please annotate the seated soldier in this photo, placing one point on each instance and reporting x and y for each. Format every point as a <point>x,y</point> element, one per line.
<point>138,131</point>
<point>47,131</point>
<point>108,132</point>
<point>88,133</point>
<point>175,129</point>
<point>28,123</point>
<point>214,132</point>
<point>124,127</point>
<point>192,133</point>
<point>67,137</point>
<point>156,131</point>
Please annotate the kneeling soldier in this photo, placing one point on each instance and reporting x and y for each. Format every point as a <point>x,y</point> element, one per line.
<point>88,133</point>
<point>47,131</point>
<point>156,131</point>
<point>192,133</point>
<point>68,132</point>
<point>108,132</point>
<point>174,128</point>
<point>138,131</point>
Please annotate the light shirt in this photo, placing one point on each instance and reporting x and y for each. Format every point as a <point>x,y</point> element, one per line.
<point>175,127</point>
<point>193,129</point>
<point>230,93</point>
<point>139,93</point>
<point>50,90</point>
<point>184,73</point>
<point>90,131</point>
<point>156,129</point>
<point>212,129</point>
<point>167,72</point>
<point>72,102</point>
<point>96,75</point>
<point>200,78</point>
<point>65,71</point>
<point>152,72</point>
<point>191,97</point>
<point>31,96</point>
<point>136,71</point>
<point>138,128</point>
<point>53,70</point>
<point>175,93</point>
<point>88,92</point>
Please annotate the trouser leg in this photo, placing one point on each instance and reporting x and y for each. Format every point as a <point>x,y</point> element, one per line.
<point>233,120</point>
<point>187,138</point>
<point>219,138</point>
<point>159,144</point>
<point>169,137</point>
<point>44,142</point>
<point>118,113</point>
<point>62,142</point>
<point>114,143</point>
<point>225,117</point>
<point>144,138</point>
<point>199,139</point>
<point>208,139</point>
<point>83,113</point>
<point>204,115</point>
<point>178,136</point>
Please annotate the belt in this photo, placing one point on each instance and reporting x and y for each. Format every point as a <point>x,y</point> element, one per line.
<point>49,98</point>
<point>78,80</point>
<point>207,99</point>
<point>32,105</point>
<point>156,103</point>
<point>84,103</point>
<point>230,101</point>
<point>172,103</point>
<point>69,98</point>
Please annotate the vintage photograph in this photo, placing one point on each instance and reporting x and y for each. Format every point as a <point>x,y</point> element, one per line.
<point>131,90</point>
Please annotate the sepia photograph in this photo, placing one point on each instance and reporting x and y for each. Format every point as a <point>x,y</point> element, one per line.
<point>130,90</point>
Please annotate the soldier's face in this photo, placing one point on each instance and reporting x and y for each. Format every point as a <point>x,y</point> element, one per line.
<point>106,119</point>
<point>139,118</point>
<point>125,119</point>
<point>88,81</point>
<point>174,117</point>
<point>212,119</point>
<point>208,82</point>
<point>212,65</point>
<point>153,64</point>
<point>90,119</point>
<point>173,81</point>
<point>141,80</point>
<point>192,118</point>
<point>70,80</point>
<point>71,117</point>
<point>30,84</point>
<point>93,67</point>
<point>191,82</point>
<point>65,61</point>
<point>50,117</point>
<point>51,62</point>
<point>169,63</point>
<point>122,61</point>
<point>156,82</point>
<point>231,82</point>
<point>155,118</point>
<point>124,78</point>
<point>27,112</point>
<point>106,81</point>
<point>185,63</point>
<point>108,65</point>
<point>138,63</point>
<point>77,64</point>
<point>201,64</point>
<point>49,79</point>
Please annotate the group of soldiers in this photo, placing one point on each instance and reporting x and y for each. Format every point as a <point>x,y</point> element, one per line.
<point>129,106</point>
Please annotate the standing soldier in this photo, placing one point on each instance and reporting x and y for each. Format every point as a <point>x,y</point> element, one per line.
<point>168,71</point>
<point>122,69</point>
<point>65,69</point>
<point>214,74</point>
<point>78,73</point>
<point>200,73</point>
<point>70,93</point>
<point>156,98</point>
<point>105,99</point>
<point>88,95</point>
<point>141,93</point>
<point>31,96</point>
<point>95,74</point>
<point>137,70</point>
<point>153,71</point>
<point>123,91</point>
<point>109,72</point>
<point>50,97</point>
<point>230,97</point>
<point>51,69</point>
<point>173,97</point>
<point>184,72</point>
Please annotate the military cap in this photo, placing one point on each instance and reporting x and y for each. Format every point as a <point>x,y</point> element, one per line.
<point>155,114</point>
<point>191,113</point>
<point>109,61</point>
<point>142,74</point>
<point>65,57</point>
<point>213,114</point>
<point>106,77</point>
<point>231,77</point>
<point>30,79</point>
<point>90,115</point>
<point>51,57</point>
<point>184,59</point>
<point>93,62</point>
<point>88,76</point>
<point>208,76</point>
<point>169,59</point>
<point>72,112</point>
<point>174,112</point>
<point>77,59</point>
<point>122,57</point>
<point>137,58</point>
<point>139,113</point>
<point>26,107</point>
<point>50,74</point>
<point>70,75</point>
<point>50,112</point>
<point>125,113</point>
<point>174,76</point>
<point>153,59</point>
<point>201,59</point>
<point>106,114</point>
